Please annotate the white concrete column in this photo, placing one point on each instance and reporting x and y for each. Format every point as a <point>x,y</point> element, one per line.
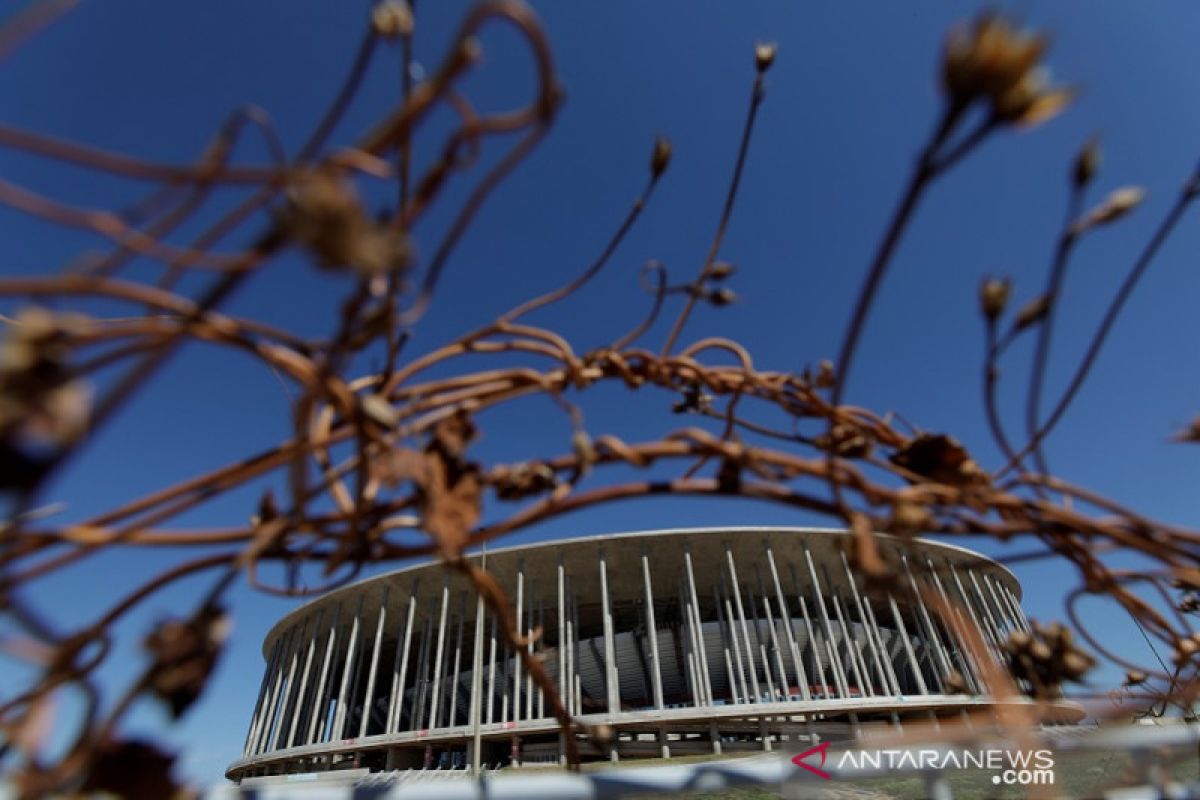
<point>264,735</point>
<point>610,652</point>
<point>685,633</point>
<point>400,664</point>
<point>908,648</point>
<point>339,719</point>
<point>965,600</point>
<point>986,609</point>
<point>652,633</point>
<point>455,673</point>
<point>835,659</point>
<point>302,708</point>
<point>856,666</point>
<point>564,694</point>
<point>516,661</point>
<point>541,645</point>
<point>369,697</point>
<point>529,628</point>
<point>491,691</point>
<point>419,717</point>
<point>999,608</point>
<point>967,668</point>
<point>286,705</point>
<point>475,707</point>
<point>438,658</point>
<point>698,625</point>
<point>810,633</point>
<point>931,632</point>
<point>575,647</point>
<point>773,640</point>
<point>1018,612</point>
<point>741,612</point>
<point>259,705</point>
<point>726,647</point>
<point>740,686</point>
<point>786,615</point>
<point>883,646</point>
<point>875,647</point>
<point>320,709</point>
<point>1004,609</point>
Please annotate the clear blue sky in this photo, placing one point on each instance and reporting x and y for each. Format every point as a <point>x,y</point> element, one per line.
<point>850,99</point>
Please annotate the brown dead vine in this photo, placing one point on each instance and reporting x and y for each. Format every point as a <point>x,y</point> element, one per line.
<point>373,457</point>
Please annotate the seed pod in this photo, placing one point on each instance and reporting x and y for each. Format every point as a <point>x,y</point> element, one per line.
<point>1118,203</point>
<point>392,19</point>
<point>993,297</point>
<point>764,55</point>
<point>722,296</point>
<point>720,270</point>
<point>1087,164</point>
<point>661,156</point>
<point>1032,312</point>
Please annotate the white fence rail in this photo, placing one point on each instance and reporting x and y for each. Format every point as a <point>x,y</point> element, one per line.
<point>1144,744</point>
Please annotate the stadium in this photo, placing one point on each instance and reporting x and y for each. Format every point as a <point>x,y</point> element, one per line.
<point>673,642</point>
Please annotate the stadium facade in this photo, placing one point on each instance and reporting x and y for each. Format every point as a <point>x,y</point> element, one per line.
<point>672,642</point>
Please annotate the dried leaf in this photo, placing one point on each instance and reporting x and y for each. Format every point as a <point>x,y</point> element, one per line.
<point>453,434</point>
<point>133,769</point>
<point>184,653</point>
<point>941,459</point>
<point>1032,312</point>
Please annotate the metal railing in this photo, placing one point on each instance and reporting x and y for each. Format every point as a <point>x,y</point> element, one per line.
<point>1144,745</point>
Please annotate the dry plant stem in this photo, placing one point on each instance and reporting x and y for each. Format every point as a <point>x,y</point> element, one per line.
<point>345,504</point>
<point>27,22</point>
<point>756,97</point>
<point>127,167</point>
<point>991,380</point>
<point>1186,197</point>
<point>596,266</point>
<point>1066,241</point>
<point>923,173</point>
<point>497,603</point>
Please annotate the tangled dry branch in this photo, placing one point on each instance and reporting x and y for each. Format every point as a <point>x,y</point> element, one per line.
<point>374,457</point>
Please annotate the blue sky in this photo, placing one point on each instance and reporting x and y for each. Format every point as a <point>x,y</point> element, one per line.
<point>851,98</point>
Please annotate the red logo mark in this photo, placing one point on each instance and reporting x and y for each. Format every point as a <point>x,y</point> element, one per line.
<point>799,760</point>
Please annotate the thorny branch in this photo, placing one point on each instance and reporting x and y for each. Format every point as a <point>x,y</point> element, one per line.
<point>378,467</point>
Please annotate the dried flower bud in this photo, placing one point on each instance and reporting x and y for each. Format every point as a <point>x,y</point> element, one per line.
<point>1135,677</point>
<point>1032,312</point>
<point>661,157</point>
<point>380,411</point>
<point>1185,651</point>
<point>1118,203</point>
<point>722,296</point>
<point>523,480</point>
<point>764,55</point>
<point>720,270</point>
<point>1087,164</point>
<point>392,19</point>
<point>993,297</point>
<point>845,441</point>
<point>1189,434</point>
<point>826,375</point>
<point>909,519</point>
<point>955,683</point>
<point>325,215</point>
